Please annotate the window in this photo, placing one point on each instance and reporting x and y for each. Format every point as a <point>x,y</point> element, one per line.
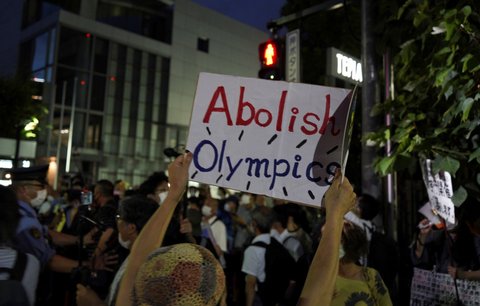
<point>202,44</point>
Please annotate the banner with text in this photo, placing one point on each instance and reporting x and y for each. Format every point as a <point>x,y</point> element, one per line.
<point>275,138</point>
<point>432,288</point>
<point>440,191</point>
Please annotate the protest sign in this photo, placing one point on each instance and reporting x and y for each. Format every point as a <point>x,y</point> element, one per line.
<point>275,138</point>
<point>440,191</point>
<point>433,288</point>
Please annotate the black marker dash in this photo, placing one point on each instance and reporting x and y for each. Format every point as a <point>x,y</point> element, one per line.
<point>272,139</point>
<point>312,196</point>
<point>301,144</point>
<point>285,191</point>
<point>248,185</point>
<point>221,175</point>
<point>332,149</point>
<point>240,136</point>
<point>208,130</point>
<point>194,174</point>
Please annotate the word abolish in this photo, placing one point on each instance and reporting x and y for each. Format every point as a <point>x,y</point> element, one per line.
<point>260,168</point>
<point>310,123</point>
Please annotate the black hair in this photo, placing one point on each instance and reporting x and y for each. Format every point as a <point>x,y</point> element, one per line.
<point>369,206</point>
<point>137,210</point>
<point>105,188</point>
<point>263,218</point>
<point>151,183</point>
<point>9,214</point>
<point>280,215</point>
<point>354,242</point>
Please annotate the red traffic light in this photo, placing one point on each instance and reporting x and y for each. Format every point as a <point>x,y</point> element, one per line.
<point>268,53</point>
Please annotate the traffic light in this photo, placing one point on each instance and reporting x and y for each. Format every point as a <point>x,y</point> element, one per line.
<point>270,54</point>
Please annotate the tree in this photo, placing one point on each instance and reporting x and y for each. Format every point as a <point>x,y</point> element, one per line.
<point>435,109</point>
<point>17,108</point>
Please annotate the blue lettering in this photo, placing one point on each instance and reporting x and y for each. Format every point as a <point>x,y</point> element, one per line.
<point>275,173</point>
<point>196,155</point>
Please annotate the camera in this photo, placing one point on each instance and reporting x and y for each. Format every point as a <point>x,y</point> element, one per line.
<point>86,198</point>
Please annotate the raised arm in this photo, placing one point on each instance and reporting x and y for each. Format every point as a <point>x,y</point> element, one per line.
<point>320,282</point>
<point>152,234</point>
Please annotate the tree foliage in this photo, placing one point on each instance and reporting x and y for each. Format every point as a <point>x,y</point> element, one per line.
<point>17,108</point>
<point>435,108</point>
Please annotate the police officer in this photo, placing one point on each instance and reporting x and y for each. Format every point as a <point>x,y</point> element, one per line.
<point>31,236</point>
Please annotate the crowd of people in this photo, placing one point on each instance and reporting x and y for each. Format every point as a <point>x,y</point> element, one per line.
<point>162,243</point>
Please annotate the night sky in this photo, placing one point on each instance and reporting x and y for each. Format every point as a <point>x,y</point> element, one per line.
<point>253,12</point>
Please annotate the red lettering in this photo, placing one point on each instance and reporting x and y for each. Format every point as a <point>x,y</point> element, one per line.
<point>211,107</point>
<point>292,119</point>
<point>310,123</point>
<point>283,98</point>
<point>241,105</point>
<point>269,117</point>
<point>334,133</point>
<point>326,117</point>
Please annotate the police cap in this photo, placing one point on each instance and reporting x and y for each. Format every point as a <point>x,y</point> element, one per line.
<point>36,173</point>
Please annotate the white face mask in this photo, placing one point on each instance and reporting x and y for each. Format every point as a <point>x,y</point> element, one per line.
<point>124,243</point>
<point>341,252</point>
<point>162,196</point>
<point>206,210</point>
<point>40,198</point>
<point>245,199</point>
<point>227,208</point>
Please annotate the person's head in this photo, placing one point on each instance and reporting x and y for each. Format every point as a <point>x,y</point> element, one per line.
<point>155,186</point>
<point>231,204</point>
<point>368,207</point>
<point>103,192</point>
<point>180,274</point>
<point>30,184</point>
<point>354,243</point>
<point>262,219</point>
<point>210,207</point>
<point>280,219</point>
<point>222,193</point>
<point>9,215</point>
<point>133,213</point>
<point>259,199</point>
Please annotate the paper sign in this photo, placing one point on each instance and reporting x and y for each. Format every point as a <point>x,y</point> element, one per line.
<point>427,211</point>
<point>432,288</point>
<point>440,191</point>
<point>280,139</point>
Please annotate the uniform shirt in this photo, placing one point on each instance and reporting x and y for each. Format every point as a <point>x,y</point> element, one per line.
<point>254,258</point>
<point>30,275</point>
<point>361,292</point>
<point>31,236</point>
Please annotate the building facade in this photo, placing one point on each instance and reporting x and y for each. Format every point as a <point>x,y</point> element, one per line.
<point>119,76</point>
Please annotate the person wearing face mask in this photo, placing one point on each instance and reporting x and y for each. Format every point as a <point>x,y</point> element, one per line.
<point>31,236</point>
<point>133,214</point>
<point>356,283</point>
<point>213,229</point>
<point>155,187</point>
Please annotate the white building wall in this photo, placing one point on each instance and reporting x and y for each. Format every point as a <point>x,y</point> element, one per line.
<point>233,50</point>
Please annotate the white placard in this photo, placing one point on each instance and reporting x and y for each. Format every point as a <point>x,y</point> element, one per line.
<point>432,288</point>
<point>275,138</point>
<point>440,191</point>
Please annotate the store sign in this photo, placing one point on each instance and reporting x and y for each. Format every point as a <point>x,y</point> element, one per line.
<point>344,66</point>
<point>292,67</point>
